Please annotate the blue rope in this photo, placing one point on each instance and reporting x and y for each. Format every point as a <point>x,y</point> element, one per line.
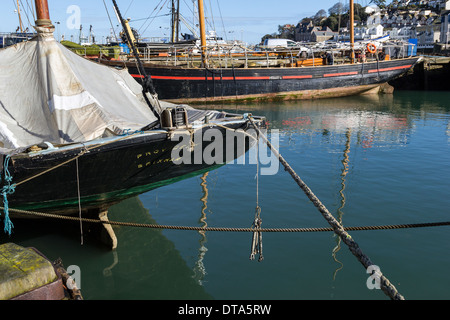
<point>8,188</point>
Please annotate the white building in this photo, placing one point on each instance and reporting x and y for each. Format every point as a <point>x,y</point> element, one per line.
<point>427,36</point>
<point>373,28</point>
<point>445,5</point>
<point>403,34</point>
<point>445,28</point>
<point>371,9</point>
<point>374,19</point>
<point>375,31</point>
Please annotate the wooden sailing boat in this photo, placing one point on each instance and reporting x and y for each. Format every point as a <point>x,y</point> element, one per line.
<point>77,136</point>
<point>209,83</point>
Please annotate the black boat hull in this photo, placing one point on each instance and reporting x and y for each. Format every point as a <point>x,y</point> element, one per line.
<point>108,173</point>
<point>190,85</point>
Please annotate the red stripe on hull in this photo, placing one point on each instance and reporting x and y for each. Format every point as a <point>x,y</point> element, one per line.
<point>327,75</point>
<point>223,78</point>
<point>298,77</point>
<point>340,74</point>
<point>390,69</point>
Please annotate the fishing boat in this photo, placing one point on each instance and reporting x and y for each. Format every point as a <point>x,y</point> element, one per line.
<point>270,75</point>
<point>77,136</point>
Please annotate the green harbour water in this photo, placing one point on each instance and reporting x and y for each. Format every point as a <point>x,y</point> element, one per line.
<point>371,160</point>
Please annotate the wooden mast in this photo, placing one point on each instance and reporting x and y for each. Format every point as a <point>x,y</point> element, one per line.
<point>20,18</point>
<point>172,38</point>
<point>175,21</point>
<point>177,17</point>
<point>201,18</point>
<point>352,31</point>
<point>43,14</point>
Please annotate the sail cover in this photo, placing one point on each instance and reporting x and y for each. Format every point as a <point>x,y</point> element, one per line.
<point>49,94</point>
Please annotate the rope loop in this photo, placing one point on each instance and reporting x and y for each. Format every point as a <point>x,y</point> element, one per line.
<point>7,189</point>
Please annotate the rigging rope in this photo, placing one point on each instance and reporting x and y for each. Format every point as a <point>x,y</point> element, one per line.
<point>153,18</point>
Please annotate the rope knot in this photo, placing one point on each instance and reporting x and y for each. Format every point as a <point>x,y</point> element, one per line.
<point>257,236</point>
<point>7,189</point>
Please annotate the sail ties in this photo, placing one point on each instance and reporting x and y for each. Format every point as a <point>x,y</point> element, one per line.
<point>7,189</point>
<point>257,234</point>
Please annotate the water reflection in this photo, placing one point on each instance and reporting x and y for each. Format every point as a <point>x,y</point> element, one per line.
<point>448,130</point>
<point>340,212</point>
<point>329,143</point>
<point>145,265</point>
<point>373,129</point>
<point>199,268</point>
<point>150,266</point>
<point>375,122</point>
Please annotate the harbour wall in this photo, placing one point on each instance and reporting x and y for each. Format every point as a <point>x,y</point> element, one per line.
<point>431,74</point>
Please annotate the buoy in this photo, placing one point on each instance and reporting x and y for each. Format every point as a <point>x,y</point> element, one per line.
<point>371,47</point>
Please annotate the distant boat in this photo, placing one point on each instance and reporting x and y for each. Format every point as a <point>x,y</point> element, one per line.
<point>176,84</point>
<point>77,136</point>
<point>269,75</point>
<point>12,38</point>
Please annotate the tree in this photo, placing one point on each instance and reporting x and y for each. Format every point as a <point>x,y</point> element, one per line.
<point>286,31</point>
<point>331,22</point>
<point>360,13</point>
<point>379,3</point>
<point>306,20</point>
<point>319,16</point>
<point>337,9</point>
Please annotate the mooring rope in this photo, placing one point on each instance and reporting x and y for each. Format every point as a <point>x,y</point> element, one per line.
<point>387,287</point>
<point>225,229</point>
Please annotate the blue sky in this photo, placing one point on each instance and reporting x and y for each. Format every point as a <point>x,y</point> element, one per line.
<point>246,20</point>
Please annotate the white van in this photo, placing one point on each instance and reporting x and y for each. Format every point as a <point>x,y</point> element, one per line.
<point>285,43</point>
<point>274,44</point>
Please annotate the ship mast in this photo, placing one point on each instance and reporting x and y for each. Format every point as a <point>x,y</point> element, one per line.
<point>175,21</point>
<point>352,31</point>
<point>201,18</point>
<point>20,18</point>
<point>147,82</point>
<point>43,14</point>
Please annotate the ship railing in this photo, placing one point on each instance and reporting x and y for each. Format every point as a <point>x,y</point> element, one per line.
<point>238,56</point>
<point>227,56</point>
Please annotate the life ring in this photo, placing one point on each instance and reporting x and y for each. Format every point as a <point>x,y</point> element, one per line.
<point>371,48</point>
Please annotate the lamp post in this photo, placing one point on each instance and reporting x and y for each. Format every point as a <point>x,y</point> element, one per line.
<point>57,29</point>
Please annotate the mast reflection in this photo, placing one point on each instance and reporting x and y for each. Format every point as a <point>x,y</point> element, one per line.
<point>199,268</point>
<point>340,211</point>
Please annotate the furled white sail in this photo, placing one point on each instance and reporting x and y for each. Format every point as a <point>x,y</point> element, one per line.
<point>48,93</point>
